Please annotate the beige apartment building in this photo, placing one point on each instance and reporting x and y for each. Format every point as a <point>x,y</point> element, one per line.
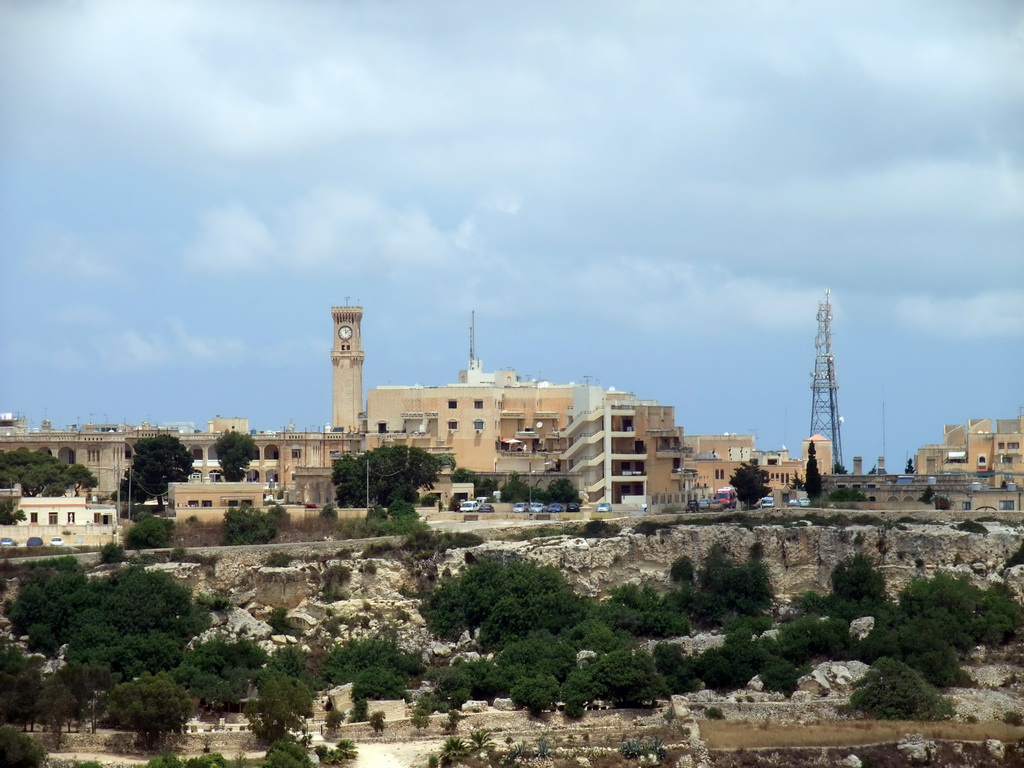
<point>714,459</point>
<point>985,448</point>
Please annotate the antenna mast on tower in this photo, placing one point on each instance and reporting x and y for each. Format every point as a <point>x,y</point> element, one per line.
<point>472,335</point>
<point>825,419</point>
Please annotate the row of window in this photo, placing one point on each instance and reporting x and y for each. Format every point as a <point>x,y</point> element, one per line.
<point>453,404</point>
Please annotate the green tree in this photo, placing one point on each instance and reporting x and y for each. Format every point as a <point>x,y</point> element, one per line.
<point>376,722</point>
<point>282,704</point>
<point>390,473</point>
<point>286,752</point>
<point>248,525</point>
<point>58,707</point>
<point>149,532</point>
<point>812,482</point>
<point>158,461</point>
<point>563,491</point>
<point>893,691</point>
<point>535,693</point>
<point>9,512</point>
<point>627,678</point>
<point>235,450</point>
<point>152,706</point>
<point>38,473</point>
<point>839,469</point>
<point>80,477</point>
<point>19,750</point>
<point>750,482</point>
<point>219,672</point>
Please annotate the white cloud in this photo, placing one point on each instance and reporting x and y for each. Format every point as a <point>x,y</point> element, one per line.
<point>231,239</point>
<point>327,228</point>
<point>986,315</point>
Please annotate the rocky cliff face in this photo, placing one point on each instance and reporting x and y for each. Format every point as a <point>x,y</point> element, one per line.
<point>798,558</point>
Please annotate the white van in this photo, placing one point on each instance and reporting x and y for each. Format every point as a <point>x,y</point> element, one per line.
<point>469,506</point>
<point>767,502</point>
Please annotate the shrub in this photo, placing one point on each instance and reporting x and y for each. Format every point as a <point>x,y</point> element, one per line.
<point>111,552</point>
<point>846,494</point>
<point>971,526</point>
<point>278,560</point>
<point>150,532</point>
<point>714,713</point>
<point>893,691</point>
<point>599,529</point>
<point>246,525</point>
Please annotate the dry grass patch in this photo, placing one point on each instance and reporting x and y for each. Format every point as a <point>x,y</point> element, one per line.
<point>724,734</point>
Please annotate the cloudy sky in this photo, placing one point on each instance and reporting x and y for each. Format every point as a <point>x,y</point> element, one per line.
<point>651,195</point>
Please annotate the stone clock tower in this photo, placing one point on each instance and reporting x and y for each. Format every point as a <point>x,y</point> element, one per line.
<point>347,365</point>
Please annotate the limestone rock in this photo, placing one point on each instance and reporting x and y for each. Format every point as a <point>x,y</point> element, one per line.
<point>584,657</point>
<point>853,761</point>
<point>755,684</point>
<point>996,748</point>
<point>917,749</point>
<point>861,628</point>
<point>504,705</point>
<point>474,706</point>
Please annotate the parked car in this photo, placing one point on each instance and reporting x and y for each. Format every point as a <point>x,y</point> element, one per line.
<point>603,506</point>
<point>519,506</point>
<point>34,541</point>
<point>804,502</point>
<point>486,508</point>
<point>767,502</point>
<point>692,505</point>
<point>555,507</point>
<point>7,541</point>
<point>469,506</point>
<point>56,541</point>
<point>704,503</point>
<point>572,506</point>
<point>536,507</point>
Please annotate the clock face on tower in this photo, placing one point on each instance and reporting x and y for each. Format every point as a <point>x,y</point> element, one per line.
<point>345,332</point>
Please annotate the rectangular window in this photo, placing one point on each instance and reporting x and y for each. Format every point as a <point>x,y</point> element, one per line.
<point>1006,505</point>
<point>478,404</point>
<point>453,404</point>
<point>94,455</point>
<point>33,517</point>
<point>207,503</point>
<point>296,453</point>
<point>53,518</point>
<point>193,502</point>
<point>382,427</point>
<point>1002,446</point>
<point>452,426</point>
<point>1013,446</point>
<point>71,518</point>
<point>965,505</point>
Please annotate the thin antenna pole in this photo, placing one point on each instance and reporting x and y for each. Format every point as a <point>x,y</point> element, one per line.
<point>472,335</point>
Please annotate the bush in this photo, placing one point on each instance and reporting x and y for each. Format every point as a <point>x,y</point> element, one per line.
<point>714,713</point>
<point>111,552</point>
<point>149,532</point>
<point>971,526</point>
<point>893,691</point>
<point>599,529</point>
<point>278,560</point>
<point>247,525</point>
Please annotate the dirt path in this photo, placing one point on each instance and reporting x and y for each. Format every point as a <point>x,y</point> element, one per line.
<point>399,754</point>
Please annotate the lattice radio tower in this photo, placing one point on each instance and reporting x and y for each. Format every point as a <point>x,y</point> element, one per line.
<point>825,419</point>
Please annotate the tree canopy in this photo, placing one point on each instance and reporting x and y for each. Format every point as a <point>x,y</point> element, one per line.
<point>40,474</point>
<point>234,451</point>
<point>152,706</point>
<point>391,473</point>
<point>282,704</point>
<point>133,621</point>
<point>813,480</point>
<point>750,482</point>
<point>158,461</point>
